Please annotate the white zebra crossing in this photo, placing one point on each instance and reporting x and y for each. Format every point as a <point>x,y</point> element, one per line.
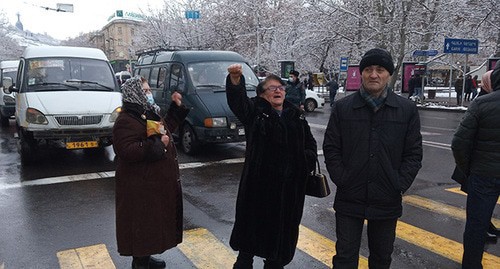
<point>217,254</point>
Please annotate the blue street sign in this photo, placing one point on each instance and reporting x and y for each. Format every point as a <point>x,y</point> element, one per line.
<point>344,61</point>
<point>417,53</point>
<point>462,46</point>
<point>192,14</point>
<point>432,52</point>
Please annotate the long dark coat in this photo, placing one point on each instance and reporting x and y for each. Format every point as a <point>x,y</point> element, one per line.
<point>280,151</point>
<point>372,157</point>
<point>148,190</point>
<point>476,142</point>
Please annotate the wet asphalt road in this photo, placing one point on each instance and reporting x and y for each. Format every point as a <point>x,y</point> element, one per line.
<point>40,220</point>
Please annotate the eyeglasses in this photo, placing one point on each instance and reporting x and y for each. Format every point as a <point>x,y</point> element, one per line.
<point>273,88</point>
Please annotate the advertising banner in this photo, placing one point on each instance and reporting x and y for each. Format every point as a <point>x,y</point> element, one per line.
<point>353,80</point>
<point>408,71</point>
<point>492,62</point>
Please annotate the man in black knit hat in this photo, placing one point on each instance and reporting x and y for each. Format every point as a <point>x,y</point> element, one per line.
<point>373,151</point>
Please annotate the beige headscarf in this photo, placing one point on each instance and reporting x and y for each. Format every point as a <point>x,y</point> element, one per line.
<point>486,81</point>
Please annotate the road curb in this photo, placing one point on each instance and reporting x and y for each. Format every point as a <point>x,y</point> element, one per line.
<point>456,110</point>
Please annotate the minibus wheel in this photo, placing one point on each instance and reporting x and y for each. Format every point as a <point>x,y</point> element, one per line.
<point>188,138</point>
<point>26,149</point>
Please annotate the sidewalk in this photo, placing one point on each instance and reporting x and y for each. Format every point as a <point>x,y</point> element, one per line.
<point>442,101</point>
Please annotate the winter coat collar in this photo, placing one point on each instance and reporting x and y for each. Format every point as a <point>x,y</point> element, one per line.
<point>138,111</point>
<point>289,109</point>
<point>391,100</point>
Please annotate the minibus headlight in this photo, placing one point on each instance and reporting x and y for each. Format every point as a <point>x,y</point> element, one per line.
<point>215,122</point>
<point>36,117</point>
<point>115,114</point>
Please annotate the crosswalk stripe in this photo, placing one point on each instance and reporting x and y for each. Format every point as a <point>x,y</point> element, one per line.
<point>96,256</point>
<point>205,251</point>
<point>458,191</point>
<point>440,245</point>
<point>320,247</point>
<point>451,211</point>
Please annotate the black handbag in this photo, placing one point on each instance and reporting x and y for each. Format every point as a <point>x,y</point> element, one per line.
<point>317,184</point>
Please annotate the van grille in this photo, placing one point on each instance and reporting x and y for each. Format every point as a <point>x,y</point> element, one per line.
<point>235,120</point>
<point>79,120</point>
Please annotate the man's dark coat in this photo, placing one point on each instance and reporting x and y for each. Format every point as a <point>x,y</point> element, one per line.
<point>372,157</point>
<point>280,151</point>
<point>476,143</point>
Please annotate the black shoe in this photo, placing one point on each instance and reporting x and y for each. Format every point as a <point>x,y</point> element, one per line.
<point>140,262</point>
<point>493,230</point>
<point>155,263</point>
<point>243,261</point>
<point>491,238</point>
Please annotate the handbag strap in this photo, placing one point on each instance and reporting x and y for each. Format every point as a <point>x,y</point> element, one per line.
<point>319,168</point>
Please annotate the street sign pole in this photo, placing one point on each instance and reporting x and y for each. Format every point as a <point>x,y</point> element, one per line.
<point>463,81</point>
<point>451,76</point>
<point>344,65</point>
<point>462,46</point>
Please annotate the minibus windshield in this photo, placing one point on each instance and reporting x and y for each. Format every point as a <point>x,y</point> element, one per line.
<point>45,72</point>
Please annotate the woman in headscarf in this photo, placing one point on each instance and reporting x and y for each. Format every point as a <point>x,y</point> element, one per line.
<point>148,189</point>
<point>485,83</point>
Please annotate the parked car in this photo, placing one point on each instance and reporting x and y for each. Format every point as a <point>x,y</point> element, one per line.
<point>8,73</point>
<point>313,101</point>
<point>200,76</point>
<point>67,97</point>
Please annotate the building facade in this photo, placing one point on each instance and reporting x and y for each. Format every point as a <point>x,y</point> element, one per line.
<point>116,39</point>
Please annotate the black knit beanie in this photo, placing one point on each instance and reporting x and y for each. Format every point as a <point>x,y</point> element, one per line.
<point>377,56</point>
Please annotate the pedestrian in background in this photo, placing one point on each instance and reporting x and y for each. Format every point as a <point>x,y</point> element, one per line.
<point>148,190</point>
<point>411,86</point>
<point>476,149</point>
<point>310,84</point>
<point>474,87</point>
<point>418,88</point>
<point>280,152</point>
<point>373,151</point>
<point>459,89</point>
<point>295,91</point>
<point>333,87</point>
<point>468,88</point>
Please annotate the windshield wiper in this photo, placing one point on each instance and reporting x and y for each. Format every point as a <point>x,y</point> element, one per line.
<point>53,83</point>
<point>89,82</point>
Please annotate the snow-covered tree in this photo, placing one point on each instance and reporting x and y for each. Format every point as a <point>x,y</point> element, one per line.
<point>316,33</point>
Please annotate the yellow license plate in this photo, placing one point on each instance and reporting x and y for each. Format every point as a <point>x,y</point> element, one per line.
<point>82,145</point>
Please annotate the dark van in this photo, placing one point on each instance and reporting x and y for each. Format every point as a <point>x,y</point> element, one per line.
<point>200,76</point>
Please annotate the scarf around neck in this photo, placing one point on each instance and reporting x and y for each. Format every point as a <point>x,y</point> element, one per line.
<point>374,102</point>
